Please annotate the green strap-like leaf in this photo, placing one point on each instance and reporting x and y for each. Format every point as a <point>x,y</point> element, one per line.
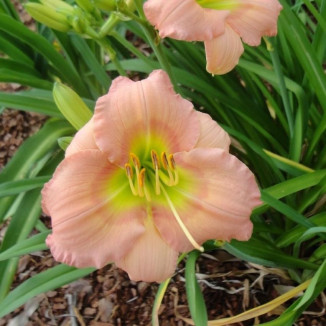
<point>263,253</point>
<point>16,187</point>
<point>35,243</point>
<point>195,297</point>
<point>43,282</point>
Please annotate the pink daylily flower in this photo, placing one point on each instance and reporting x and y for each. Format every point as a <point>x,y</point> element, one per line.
<point>146,178</point>
<point>221,25</point>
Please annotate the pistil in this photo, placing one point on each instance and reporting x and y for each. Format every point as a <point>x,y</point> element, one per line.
<point>181,224</point>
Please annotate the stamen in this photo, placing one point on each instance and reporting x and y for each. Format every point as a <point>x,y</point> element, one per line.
<point>129,172</point>
<point>142,184</point>
<point>141,181</point>
<point>181,224</point>
<point>135,160</point>
<point>173,167</point>
<point>164,160</point>
<point>172,162</point>
<point>155,160</point>
<point>130,175</point>
<point>166,166</point>
<point>156,165</point>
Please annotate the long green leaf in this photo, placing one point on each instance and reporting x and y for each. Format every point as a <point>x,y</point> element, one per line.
<point>90,60</point>
<point>31,101</point>
<point>195,298</point>
<point>263,253</point>
<point>43,282</point>
<point>35,243</point>
<point>14,52</point>
<point>16,187</point>
<point>296,36</point>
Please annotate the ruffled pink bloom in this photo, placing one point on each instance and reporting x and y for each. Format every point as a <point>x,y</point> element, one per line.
<point>146,178</point>
<point>221,25</point>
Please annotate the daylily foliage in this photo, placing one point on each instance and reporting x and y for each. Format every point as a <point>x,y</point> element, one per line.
<point>221,25</point>
<point>146,178</point>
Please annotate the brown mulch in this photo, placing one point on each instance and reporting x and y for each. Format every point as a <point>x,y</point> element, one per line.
<point>15,127</point>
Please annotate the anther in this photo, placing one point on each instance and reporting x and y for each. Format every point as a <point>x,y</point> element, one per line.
<point>171,162</point>
<point>164,160</point>
<point>135,160</point>
<point>172,165</point>
<point>155,159</point>
<point>141,178</point>
<point>129,172</point>
<point>130,175</point>
<point>165,163</point>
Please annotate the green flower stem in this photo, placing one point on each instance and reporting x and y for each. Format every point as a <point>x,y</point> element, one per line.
<point>130,47</point>
<point>108,26</point>
<point>113,57</point>
<point>156,46</point>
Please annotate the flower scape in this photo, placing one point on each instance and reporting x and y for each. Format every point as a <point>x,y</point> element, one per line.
<point>221,25</point>
<point>148,177</point>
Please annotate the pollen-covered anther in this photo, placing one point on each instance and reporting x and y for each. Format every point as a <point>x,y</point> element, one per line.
<point>130,175</point>
<point>155,159</point>
<point>173,167</point>
<point>165,163</point>
<point>135,160</point>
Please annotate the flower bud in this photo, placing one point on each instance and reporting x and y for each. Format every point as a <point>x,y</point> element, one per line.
<point>86,5</point>
<point>64,142</point>
<point>109,5</point>
<point>71,105</point>
<point>48,16</point>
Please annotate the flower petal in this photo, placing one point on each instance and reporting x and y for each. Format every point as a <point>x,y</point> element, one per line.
<point>223,52</point>
<point>254,19</point>
<point>84,139</point>
<point>151,259</point>
<point>185,19</point>
<point>211,134</point>
<point>93,222</point>
<point>217,202</point>
<point>145,114</point>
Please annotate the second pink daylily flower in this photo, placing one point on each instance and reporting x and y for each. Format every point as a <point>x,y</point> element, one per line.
<point>221,25</point>
<point>146,178</point>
